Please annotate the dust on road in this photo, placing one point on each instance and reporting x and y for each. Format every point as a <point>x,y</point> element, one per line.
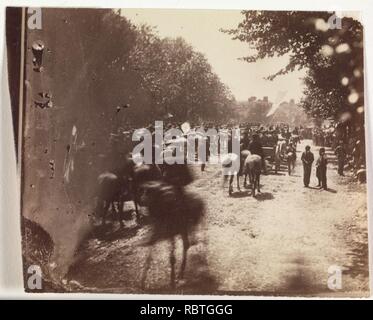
<point>282,242</point>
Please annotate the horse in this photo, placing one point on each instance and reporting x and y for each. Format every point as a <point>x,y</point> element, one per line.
<point>113,191</point>
<point>229,166</point>
<point>252,167</point>
<point>172,212</point>
<point>120,185</point>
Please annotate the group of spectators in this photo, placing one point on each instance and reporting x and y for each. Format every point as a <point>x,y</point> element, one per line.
<point>349,149</point>
<point>348,146</point>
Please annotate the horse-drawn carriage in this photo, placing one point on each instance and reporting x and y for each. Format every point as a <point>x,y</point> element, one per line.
<point>274,158</point>
<point>281,153</point>
<point>269,153</point>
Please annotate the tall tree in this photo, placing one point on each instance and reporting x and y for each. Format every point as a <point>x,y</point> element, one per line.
<point>332,56</point>
<point>180,80</point>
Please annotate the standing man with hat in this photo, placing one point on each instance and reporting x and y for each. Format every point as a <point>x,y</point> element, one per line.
<point>307,160</point>
<point>321,167</point>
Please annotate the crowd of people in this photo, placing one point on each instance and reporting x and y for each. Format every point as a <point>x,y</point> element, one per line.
<point>349,148</point>
<point>258,139</point>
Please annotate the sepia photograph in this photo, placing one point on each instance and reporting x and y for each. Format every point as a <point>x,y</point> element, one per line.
<point>190,151</point>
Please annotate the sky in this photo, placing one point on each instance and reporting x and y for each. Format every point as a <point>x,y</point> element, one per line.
<point>200,28</point>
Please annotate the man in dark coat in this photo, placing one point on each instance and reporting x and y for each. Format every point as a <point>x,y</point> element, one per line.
<point>321,167</point>
<point>307,160</point>
<point>256,147</point>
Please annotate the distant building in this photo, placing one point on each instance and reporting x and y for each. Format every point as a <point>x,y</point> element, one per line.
<point>291,113</point>
<point>257,110</point>
<point>253,110</point>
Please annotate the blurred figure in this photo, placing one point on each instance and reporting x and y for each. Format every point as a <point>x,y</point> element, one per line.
<point>178,175</point>
<point>356,154</point>
<point>340,152</point>
<point>321,167</point>
<point>291,157</point>
<point>307,160</point>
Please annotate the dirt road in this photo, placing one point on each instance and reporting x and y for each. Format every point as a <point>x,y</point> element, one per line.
<point>280,243</point>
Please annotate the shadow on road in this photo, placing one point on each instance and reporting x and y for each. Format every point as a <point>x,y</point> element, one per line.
<point>260,196</point>
<point>120,233</point>
<point>300,280</point>
<point>198,277</point>
<point>264,196</point>
<point>240,194</point>
<point>276,174</point>
<point>331,190</point>
<point>313,188</point>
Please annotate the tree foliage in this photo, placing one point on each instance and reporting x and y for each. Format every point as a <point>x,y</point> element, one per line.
<point>127,65</point>
<point>333,57</point>
<point>180,80</point>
